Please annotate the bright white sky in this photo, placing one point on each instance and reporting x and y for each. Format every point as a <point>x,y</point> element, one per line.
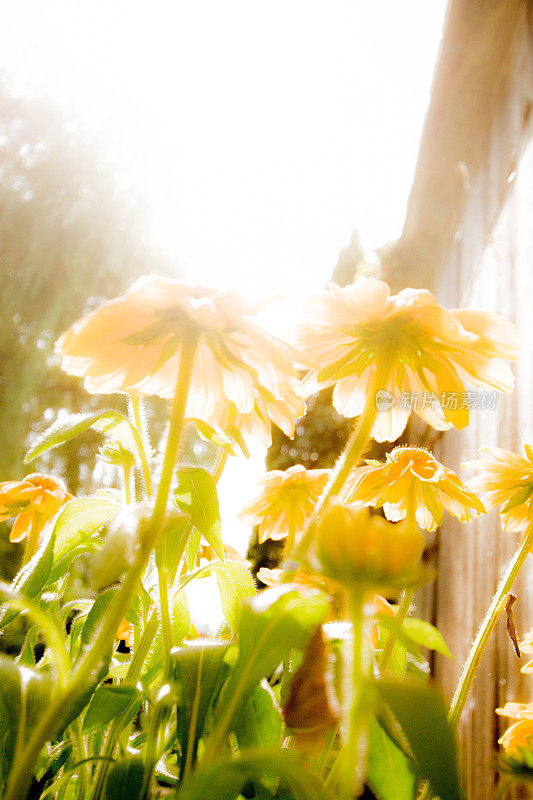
<point>260,133</point>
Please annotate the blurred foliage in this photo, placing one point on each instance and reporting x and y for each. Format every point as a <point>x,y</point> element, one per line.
<point>70,236</point>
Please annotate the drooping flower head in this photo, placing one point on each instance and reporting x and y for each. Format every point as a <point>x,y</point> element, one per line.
<point>33,501</point>
<point>517,741</point>
<point>505,480</point>
<point>286,501</point>
<point>348,332</point>
<point>134,344</point>
<point>357,547</point>
<point>257,424</point>
<point>412,472</point>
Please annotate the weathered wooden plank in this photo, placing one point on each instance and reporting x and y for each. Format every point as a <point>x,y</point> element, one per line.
<point>468,236</point>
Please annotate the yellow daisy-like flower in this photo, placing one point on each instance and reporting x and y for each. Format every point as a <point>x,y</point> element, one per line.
<point>286,501</point>
<point>33,501</point>
<point>516,710</point>
<point>517,741</point>
<point>413,472</point>
<point>505,480</point>
<point>349,332</point>
<point>526,648</point>
<point>134,344</point>
<point>257,424</point>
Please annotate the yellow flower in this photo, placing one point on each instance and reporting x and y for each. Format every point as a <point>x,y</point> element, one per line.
<point>516,710</point>
<point>408,470</point>
<point>125,633</point>
<point>286,501</point>
<point>134,344</point>
<point>257,424</point>
<point>357,547</point>
<point>505,480</point>
<point>518,739</point>
<point>348,332</point>
<point>33,500</point>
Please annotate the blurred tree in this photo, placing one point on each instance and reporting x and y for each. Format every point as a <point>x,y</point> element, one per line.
<point>70,236</point>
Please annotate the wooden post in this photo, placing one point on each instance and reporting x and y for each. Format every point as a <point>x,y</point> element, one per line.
<point>468,236</point>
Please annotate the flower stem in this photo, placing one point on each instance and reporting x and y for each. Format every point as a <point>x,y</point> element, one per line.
<point>480,642</point>
<point>354,724</point>
<point>22,770</point>
<point>346,462</point>
<point>138,420</point>
<point>487,626</point>
<point>407,596</point>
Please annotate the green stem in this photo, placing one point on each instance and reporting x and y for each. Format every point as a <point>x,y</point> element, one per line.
<point>483,635</point>
<point>132,676</point>
<point>81,784</point>
<point>22,770</point>
<point>407,596</point>
<point>354,725</point>
<point>487,627</point>
<point>346,462</point>
<point>138,420</point>
<point>127,483</point>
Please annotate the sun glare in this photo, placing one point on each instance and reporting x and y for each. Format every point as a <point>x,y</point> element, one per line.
<point>259,134</point>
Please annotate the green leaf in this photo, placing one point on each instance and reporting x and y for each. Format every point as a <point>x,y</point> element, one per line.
<point>125,780</point>
<point>196,495</point>
<point>199,672</point>
<point>90,627</point>
<point>191,550</point>
<point>421,712</point>
<point>75,526</point>
<point>230,776</point>
<point>425,634</point>
<point>235,434</point>
<point>261,724</point>
<point>235,584</point>
<point>24,696</point>
<point>111,423</point>
<point>388,772</point>
<point>109,702</point>
<point>181,619</point>
<point>270,625</point>
<point>32,578</point>
<point>213,435</point>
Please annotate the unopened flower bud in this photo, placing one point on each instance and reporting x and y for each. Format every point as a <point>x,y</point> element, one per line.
<point>355,546</point>
<point>123,537</point>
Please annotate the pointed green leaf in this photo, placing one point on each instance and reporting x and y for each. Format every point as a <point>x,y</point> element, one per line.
<point>235,584</point>
<point>125,780</point>
<point>388,772</point>
<point>112,424</point>
<point>200,669</point>
<point>196,495</point>
<point>109,702</point>
<point>236,435</point>
<point>76,525</point>
<point>430,737</point>
<point>181,619</point>
<point>260,725</point>
<point>24,696</point>
<point>270,625</point>
<point>230,776</point>
<point>213,435</point>
<point>425,634</point>
<point>33,577</point>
